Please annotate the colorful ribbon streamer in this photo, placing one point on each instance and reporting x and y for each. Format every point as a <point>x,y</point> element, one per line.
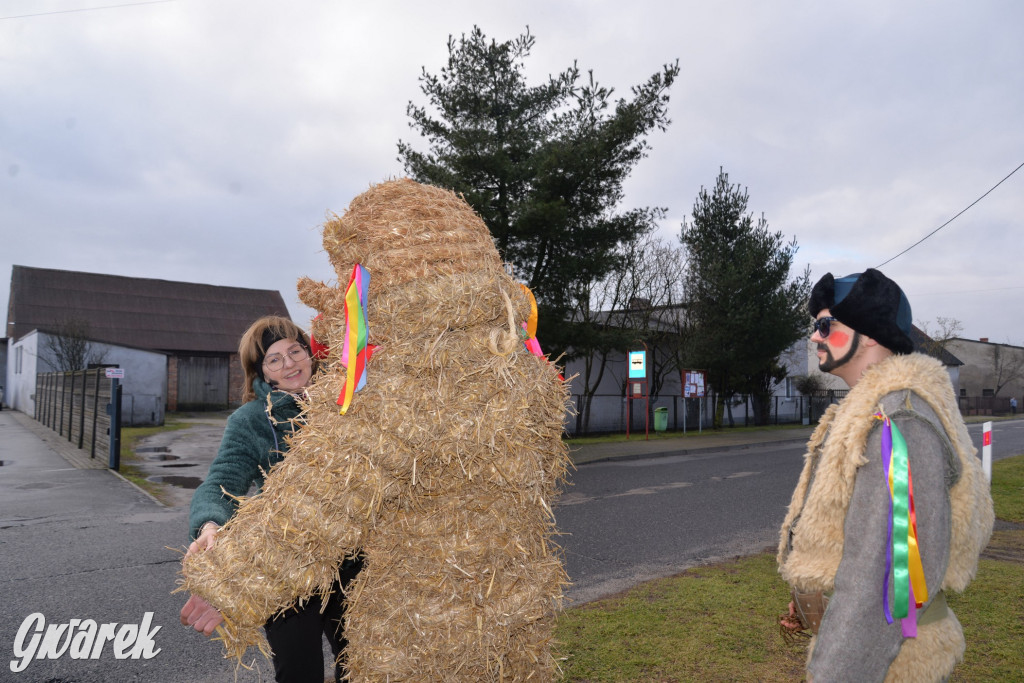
<point>903,556</point>
<point>531,324</point>
<point>355,351</point>
<point>529,333</point>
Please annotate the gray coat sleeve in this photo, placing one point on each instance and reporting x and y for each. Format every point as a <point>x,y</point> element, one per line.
<point>854,642</point>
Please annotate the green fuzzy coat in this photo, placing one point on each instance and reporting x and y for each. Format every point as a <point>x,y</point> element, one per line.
<point>254,440</point>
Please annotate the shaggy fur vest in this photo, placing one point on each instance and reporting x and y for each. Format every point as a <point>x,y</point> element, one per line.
<point>808,560</point>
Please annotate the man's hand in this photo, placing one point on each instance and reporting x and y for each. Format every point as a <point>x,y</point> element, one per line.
<point>200,615</point>
<point>791,621</point>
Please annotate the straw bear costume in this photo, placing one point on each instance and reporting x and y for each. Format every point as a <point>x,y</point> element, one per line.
<point>440,473</point>
<point>833,539</point>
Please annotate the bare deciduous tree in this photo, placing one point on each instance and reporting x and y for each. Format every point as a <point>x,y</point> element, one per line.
<point>641,303</point>
<point>1007,367</point>
<point>938,338</point>
<point>71,348</point>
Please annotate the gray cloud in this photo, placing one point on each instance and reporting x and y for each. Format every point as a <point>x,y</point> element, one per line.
<point>206,141</point>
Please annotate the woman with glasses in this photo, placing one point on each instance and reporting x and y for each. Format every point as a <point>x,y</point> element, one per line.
<point>275,357</point>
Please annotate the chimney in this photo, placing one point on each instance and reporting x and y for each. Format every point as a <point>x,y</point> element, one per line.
<point>984,339</point>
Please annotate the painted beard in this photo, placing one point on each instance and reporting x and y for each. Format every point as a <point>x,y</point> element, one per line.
<point>830,363</point>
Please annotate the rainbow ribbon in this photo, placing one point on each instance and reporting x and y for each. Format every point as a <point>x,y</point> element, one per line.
<point>529,327</point>
<point>903,556</point>
<point>529,333</point>
<point>355,351</point>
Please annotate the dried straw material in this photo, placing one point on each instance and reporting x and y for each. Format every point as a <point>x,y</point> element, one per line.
<point>441,473</point>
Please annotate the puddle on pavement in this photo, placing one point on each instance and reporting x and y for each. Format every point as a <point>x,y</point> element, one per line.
<point>168,457</point>
<point>180,464</point>
<point>175,480</point>
<point>153,449</point>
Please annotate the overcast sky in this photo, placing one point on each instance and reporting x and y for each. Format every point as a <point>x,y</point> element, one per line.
<point>206,140</point>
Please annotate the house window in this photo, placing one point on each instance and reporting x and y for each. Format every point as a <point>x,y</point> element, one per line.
<point>988,392</point>
<point>963,392</point>
<point>17,361</point>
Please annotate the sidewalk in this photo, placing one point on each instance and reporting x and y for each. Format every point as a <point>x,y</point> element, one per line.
<point>80,543</point>
<point>76,457</point>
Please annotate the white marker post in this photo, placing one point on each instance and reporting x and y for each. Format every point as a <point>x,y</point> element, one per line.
<point>986,450</point>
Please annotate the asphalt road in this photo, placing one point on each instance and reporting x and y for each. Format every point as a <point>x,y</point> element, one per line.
<point>628,521</point>
<point>635,520</point>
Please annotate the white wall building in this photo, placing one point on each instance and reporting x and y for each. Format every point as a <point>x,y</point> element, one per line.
<point>144,392</point>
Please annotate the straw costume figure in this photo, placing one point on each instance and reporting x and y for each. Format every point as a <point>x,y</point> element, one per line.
<point>440,472</point>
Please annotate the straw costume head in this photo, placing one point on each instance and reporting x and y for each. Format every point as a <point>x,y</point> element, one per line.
<point>440,473</point>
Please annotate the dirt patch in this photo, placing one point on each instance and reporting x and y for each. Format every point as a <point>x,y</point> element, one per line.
<point>1007,545</point>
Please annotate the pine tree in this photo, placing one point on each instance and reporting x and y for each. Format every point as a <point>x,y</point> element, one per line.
<point>543,165</point>
<point>743,308</point>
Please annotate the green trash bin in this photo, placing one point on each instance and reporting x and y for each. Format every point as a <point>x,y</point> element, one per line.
<point>660,419</point>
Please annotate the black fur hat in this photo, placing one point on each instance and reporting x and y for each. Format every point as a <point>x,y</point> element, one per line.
<point>869,303</point>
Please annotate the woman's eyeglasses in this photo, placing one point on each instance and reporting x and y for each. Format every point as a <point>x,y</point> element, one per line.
<point>823,326</point>
<point>276,361</point>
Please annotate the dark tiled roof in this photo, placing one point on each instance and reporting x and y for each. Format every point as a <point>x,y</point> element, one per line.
<point>140,312</point>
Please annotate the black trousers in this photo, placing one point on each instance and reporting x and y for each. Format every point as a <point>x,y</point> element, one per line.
<point>296,637</point>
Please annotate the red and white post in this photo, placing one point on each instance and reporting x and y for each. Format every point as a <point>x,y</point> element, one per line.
<point>986,450</point>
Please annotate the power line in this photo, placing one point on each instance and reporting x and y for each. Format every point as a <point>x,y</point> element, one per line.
<point>87,9</point>
<point>951,219</point>
<point>968,291</point>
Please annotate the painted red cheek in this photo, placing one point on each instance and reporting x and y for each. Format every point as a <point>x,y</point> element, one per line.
<point>837,338</point>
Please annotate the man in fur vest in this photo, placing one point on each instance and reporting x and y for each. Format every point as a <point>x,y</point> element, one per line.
<point>892,507</point>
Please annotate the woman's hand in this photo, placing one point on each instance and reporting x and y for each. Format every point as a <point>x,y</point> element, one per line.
<point>197,613</point>
<point>200,615</point>
<point>207,537</point>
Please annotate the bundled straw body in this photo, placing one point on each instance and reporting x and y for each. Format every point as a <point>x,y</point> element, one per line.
<point>440,474</point>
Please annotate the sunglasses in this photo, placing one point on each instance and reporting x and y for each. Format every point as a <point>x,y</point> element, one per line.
<point>823,326</point>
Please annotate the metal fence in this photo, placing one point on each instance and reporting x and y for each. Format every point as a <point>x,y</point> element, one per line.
<point>608,413</point>
<point>74,404</point>
<point>985,405</point>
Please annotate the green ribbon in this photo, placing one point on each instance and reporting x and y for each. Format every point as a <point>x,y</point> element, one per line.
<point>899,477</point>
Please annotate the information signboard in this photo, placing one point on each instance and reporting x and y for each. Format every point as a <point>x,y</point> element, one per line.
<point>694,383</point>
<point>638,365</point>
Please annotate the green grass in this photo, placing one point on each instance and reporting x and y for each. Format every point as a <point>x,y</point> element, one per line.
<point>719,622</point>
<point>991,612</point>
<point>130,438</point>
<point>1008,489</point>
<point>709,623</point>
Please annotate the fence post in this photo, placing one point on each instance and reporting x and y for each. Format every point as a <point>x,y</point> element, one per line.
<point>63,392</point>
<point>114,409</point>
<point>71,407</point>
<point>49,400</point>
<point>81,418</point>
<point>43,400</point>
<point>95,413</point>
